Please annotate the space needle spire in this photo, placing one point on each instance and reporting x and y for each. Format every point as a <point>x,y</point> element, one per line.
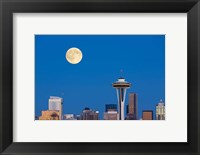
<point>121,86</point>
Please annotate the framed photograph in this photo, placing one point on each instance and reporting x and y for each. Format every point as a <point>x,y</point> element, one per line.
<point>103,77</point>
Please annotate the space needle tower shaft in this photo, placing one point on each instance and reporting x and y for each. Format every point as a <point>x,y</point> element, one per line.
<point>121,86</point>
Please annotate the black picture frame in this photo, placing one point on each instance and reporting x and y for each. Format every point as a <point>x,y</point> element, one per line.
<point>8,7</point>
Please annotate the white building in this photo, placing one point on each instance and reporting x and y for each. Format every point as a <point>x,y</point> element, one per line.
<point>160,111</point>
<point>56,103</point>
<point>111,115</point>
<point>69,117</point>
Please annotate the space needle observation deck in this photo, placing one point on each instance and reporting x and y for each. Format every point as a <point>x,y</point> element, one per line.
<point>121,86</point>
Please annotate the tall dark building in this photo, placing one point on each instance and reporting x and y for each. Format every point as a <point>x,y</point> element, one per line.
<point>127,110</point>
<point>88,114</point>
<point>147,115</point>
<point>110,107</point>
<point>132,107</point>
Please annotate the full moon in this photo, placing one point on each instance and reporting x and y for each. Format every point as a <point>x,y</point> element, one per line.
<point>74,55</point>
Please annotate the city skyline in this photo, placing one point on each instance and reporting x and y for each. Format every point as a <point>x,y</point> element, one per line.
<point>112,111</point>
<point>89,83</point>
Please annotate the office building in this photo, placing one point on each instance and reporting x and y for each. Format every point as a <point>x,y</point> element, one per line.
<point>56,103</point>
<point>111,115</point>
<point>50,115</point>
<point>130,117</point>
<point>110,112</point>
<point>132,108</point>
<point>147,115</point>
<point>88,114</point>
<point>69,117</point>
<point>78,117</point>
<point>36,117</point>
<point>160,111</point>
<point>110,107</point>
<point>121,86</point>
<point>127,109</point>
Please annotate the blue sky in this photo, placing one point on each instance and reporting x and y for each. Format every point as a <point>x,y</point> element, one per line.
<point>89,83</point>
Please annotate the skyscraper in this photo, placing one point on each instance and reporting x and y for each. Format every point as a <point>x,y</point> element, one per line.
<point>127,110</point>
<point>55,103</point>
<point>88,114</point>
<point>132,108</point>
<point>110,107</point>
<point>147,115</point>
<point>121,86</point>
<point>160,111</point>
<point>110,112</point>
<point>110,115</point>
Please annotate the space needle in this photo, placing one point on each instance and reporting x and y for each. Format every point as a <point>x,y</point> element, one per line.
<point>121,86</point>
